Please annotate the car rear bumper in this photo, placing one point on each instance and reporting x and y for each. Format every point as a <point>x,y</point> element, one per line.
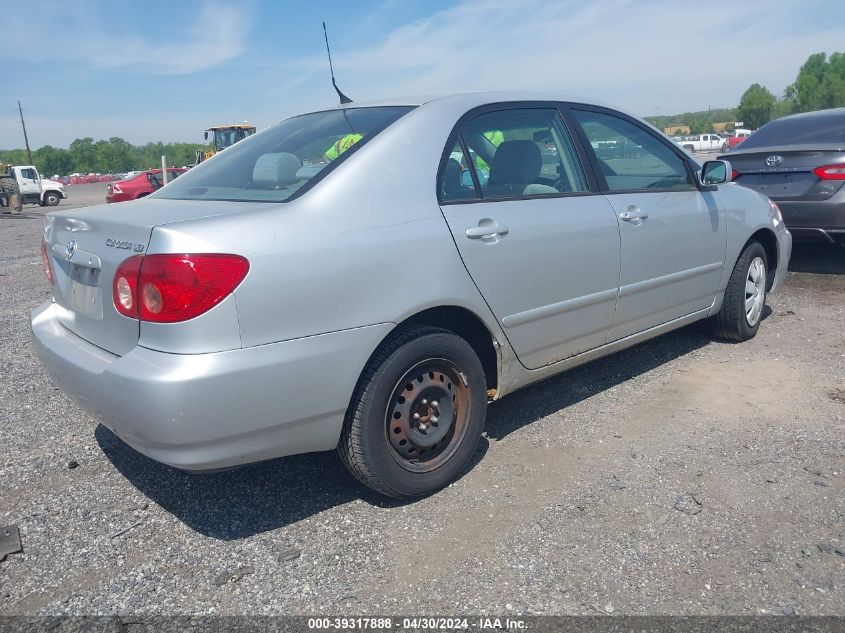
<point>815,220</point>
<point>210,411</point>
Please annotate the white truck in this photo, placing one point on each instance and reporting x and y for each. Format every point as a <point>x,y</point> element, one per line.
<point>32,187</point>
<point>701,143</point>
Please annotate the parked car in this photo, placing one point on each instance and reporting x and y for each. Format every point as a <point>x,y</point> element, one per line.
<point>799,162</point>
<point>272,302</point>
<point>735,139</point>
<point>701,143</point>
<point>142,184</point>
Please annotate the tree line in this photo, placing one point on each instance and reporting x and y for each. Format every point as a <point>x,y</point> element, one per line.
<point>85,156</point>
<point>820,84</point>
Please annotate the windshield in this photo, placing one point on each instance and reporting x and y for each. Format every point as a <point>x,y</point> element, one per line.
<point>827,128</point>
<point>280,162</point>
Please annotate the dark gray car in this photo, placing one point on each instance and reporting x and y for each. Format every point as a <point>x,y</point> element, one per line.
<point>799,162</point>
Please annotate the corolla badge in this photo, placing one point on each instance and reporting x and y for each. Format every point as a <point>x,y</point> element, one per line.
<point>124,245</point>
<point>70,249</point>
<point>774,160</point>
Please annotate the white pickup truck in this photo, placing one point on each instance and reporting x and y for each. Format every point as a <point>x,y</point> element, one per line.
<point>34,189</point>
<point>701,143</point>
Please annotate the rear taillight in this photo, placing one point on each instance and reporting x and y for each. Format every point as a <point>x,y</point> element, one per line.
<point>830,172</point>
<point>734,174</point>
<point>125,286</point>
<point>45,259</point>
<point>173,288</point>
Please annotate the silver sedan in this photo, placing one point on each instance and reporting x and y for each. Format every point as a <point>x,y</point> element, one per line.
<point>369,277</point>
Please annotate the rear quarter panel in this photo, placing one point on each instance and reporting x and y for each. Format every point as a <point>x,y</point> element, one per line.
<point>368,245</point>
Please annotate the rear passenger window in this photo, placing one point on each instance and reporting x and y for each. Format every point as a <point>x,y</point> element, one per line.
<point>522,153</point>
<point>630,158</point>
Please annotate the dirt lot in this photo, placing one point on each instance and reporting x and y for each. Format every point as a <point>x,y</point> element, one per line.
<point>682,476</point>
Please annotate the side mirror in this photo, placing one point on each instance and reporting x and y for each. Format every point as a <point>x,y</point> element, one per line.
<point>716,172</point>
<point>206,135</point>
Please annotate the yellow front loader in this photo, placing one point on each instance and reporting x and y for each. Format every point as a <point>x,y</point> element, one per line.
<point>223,136</point>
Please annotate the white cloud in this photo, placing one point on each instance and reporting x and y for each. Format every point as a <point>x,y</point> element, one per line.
<point>666,54</point>
<point>671,55</point>
<point>82,33</point>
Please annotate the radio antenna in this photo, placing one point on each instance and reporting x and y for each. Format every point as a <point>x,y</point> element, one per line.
<point>343,98</point>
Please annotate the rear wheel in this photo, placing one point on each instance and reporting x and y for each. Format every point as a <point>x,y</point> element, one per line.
<point>10,186</point>
<point>745,297</point>
<point>416,415</point>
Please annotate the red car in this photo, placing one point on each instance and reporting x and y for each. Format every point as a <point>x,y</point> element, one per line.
<point>732,141</point>
<point>140,185</point>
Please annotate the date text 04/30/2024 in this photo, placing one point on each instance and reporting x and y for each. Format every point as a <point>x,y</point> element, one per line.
<point>411,623</point>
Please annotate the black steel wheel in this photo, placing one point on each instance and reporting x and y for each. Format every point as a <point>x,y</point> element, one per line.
<point>427,415</point>
<point>416,415</point>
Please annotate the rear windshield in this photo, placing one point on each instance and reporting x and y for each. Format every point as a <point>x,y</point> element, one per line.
<point>280,162</point>
<point>828,128</point>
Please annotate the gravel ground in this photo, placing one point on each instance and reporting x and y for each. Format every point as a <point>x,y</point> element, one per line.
<point>682,476</point>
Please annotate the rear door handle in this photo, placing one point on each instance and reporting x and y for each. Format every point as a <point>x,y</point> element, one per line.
<point>633,214</point>
<point>486,230</point>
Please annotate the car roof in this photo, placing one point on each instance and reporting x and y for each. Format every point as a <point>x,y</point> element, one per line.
<point>473,99</point>
<point>815,114</point>
<point>465,101</point>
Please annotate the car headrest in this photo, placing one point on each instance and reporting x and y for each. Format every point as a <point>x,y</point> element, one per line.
<point>275,170</point>
<point>515,163</point>
<point>452,178</point>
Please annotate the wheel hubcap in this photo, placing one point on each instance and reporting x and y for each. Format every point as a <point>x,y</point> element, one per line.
<point>427,414</point>
<point>755,291</point>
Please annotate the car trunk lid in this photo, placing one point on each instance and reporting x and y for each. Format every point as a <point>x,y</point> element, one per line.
<point>786,173</point>
<point>86,246</point>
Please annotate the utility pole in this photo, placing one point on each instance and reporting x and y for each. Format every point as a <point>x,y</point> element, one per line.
<point>25,137</point>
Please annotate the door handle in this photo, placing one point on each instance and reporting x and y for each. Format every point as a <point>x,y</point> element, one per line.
<point>486,230</point>
<point>633,214</point>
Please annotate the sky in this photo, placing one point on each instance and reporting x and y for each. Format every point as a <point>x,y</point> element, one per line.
<point>166,70</point>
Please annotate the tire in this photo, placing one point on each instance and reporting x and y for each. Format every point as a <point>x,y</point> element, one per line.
<point>51,199</point>
<point>690,148</point>
<point>384,445</point>
<point>724,147</point>
<point>10,185</point>
<point>734,321</point>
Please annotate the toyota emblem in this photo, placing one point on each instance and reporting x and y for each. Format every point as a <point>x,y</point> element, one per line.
<point>774,160</point>
<point>70,249</point>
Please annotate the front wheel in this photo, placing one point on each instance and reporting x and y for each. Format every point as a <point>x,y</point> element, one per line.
<point>745,297</point>
<point>416,415</point>
<point>51,199</point>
